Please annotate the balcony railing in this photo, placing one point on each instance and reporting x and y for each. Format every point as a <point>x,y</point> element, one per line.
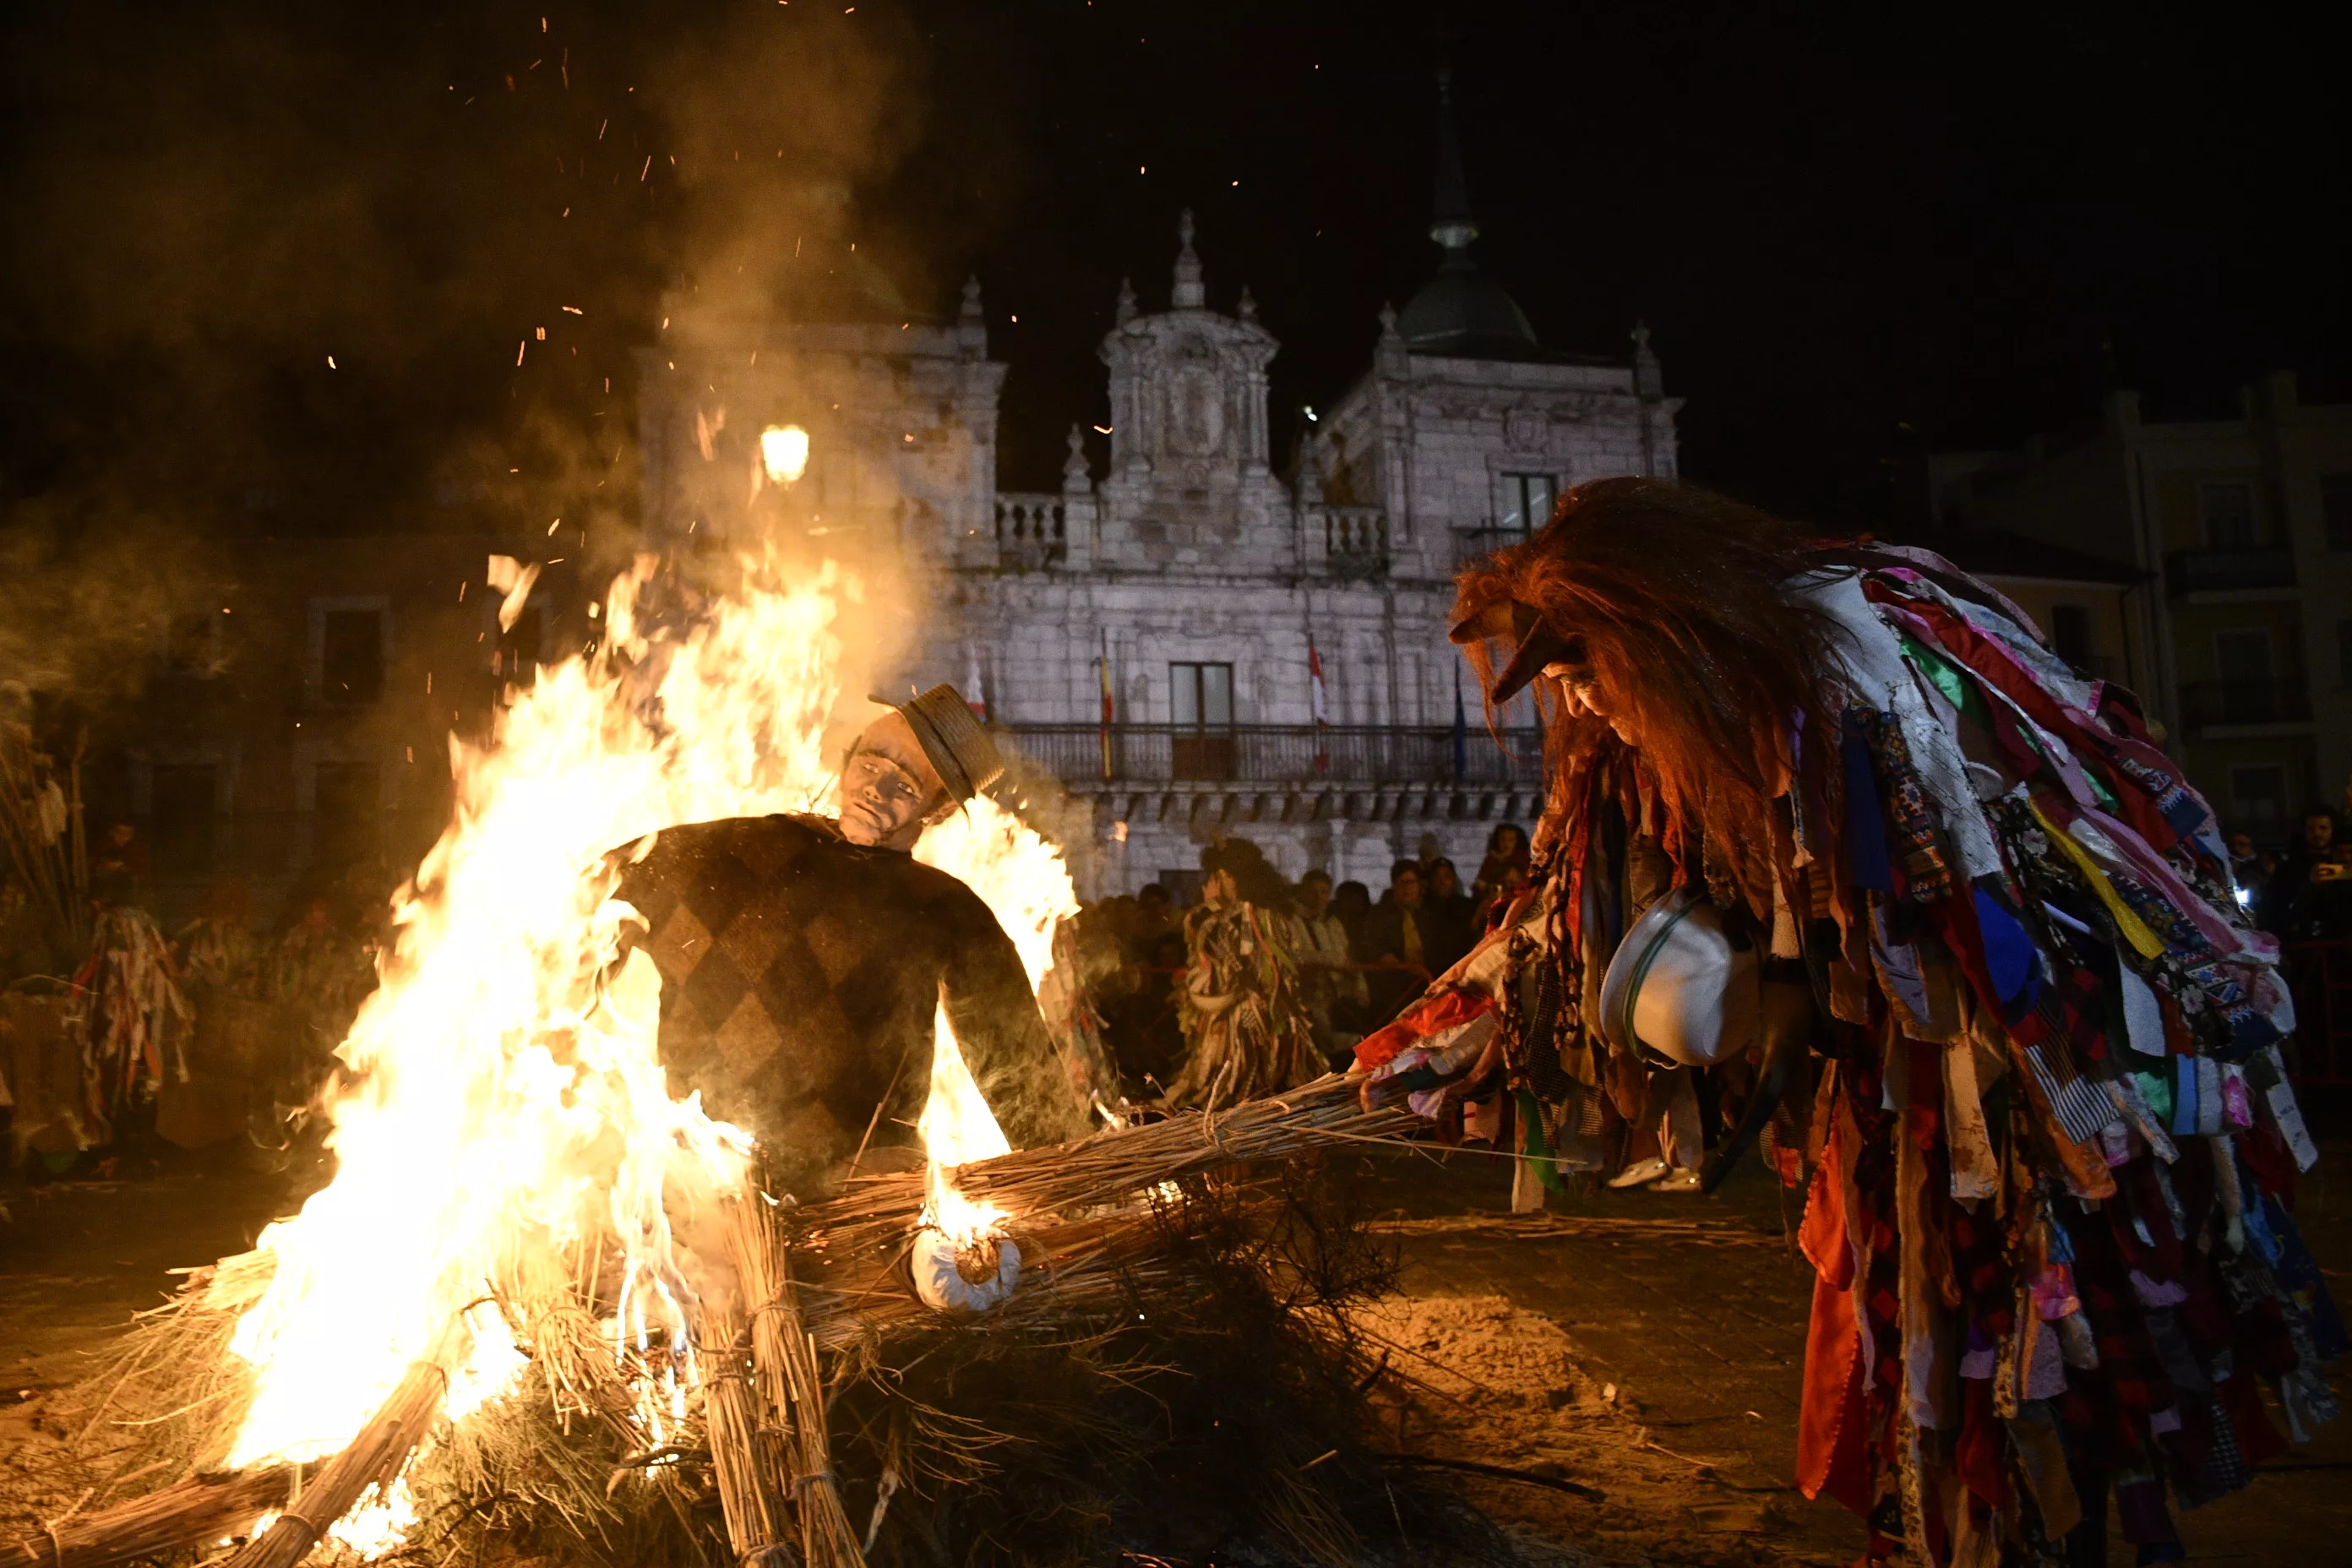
<point>1286,754</point>
<point>1031,531</point>
<point>1347,540</point>
<point>2215,571</point>
<point>2210,702</point>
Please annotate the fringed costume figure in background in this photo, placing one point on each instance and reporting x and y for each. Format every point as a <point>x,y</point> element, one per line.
<point>320,974</point>
<point>219,951</point>
<point>1962,945</point>
<point>132,1016</point>
<point>1244,1016</point>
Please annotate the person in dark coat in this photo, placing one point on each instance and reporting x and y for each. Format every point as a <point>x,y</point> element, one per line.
<point>804,961</point>
<point>2314,847</point>
<point>1399,933</point>
<point>1451,915</point>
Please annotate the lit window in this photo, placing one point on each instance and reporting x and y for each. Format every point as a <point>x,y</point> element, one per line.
<point>1201,696</point>
<point>1527,501</point>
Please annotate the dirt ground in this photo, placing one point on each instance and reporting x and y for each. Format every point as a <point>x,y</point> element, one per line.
<point>1645,1347</point>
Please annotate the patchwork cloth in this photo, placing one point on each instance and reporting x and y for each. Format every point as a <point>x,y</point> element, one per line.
<point>802,976</point>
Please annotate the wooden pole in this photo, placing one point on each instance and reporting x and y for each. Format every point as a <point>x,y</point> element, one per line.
<point>374,1457</point>
<point>195,1513</point>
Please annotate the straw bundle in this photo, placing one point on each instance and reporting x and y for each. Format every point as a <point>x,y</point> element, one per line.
<point>791,1386</point>
<point>198,1511</point>
<point>1111,1168</point>
<point>373,1460</point>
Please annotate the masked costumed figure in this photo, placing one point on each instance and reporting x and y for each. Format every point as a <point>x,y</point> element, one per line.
<point>805,960</point>
<point>1831,822</point>
<point>1244,1019</point>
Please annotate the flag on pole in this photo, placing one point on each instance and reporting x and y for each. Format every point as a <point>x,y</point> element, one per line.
<point>1461,728</point>
<point>1103,664</point>
<point>1318,707</point>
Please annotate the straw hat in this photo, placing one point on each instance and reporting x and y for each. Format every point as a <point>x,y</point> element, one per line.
<point>965,758</point>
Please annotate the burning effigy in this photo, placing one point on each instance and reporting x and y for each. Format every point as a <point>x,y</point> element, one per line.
<point>553,1303</point>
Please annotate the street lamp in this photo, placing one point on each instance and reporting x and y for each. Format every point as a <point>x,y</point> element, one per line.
<point>783,452</point>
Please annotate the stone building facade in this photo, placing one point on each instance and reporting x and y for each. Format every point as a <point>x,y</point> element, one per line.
<point>1149,636</point>
<point>2235,536</point>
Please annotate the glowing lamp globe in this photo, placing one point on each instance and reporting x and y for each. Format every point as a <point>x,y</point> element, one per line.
<point>783,452</point>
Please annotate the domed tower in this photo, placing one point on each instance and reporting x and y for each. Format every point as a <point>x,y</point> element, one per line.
<point>1465,428</point>
<point>1461,310</point>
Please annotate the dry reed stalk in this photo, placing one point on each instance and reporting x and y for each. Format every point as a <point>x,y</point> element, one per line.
<point>791,1383</point>
<point>195,1513</point>
<point>373,1458</point>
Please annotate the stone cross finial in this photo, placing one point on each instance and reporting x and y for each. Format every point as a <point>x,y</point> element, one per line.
<point>1126,311</point>
<point>971,297</point>
<point>1189,293</point>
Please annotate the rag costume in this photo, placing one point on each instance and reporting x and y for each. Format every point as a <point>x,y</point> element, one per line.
<point>131,1015</point>
<point>1244,1016</point>
<point>1987,957</point>
<point>803,976</point>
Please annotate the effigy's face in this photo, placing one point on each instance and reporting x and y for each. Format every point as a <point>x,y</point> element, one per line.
<point>886,786</point>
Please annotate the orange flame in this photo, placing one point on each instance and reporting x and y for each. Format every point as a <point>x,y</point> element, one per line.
<point>505,1097</point>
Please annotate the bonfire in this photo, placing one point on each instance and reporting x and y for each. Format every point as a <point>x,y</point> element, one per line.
<point>542,1300</point>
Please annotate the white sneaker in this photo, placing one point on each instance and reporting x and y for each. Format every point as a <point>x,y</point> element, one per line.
<point>1640,1173</point>
<point>1681,1179</point>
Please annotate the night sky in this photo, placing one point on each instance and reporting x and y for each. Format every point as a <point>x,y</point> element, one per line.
<point>1856,238</point>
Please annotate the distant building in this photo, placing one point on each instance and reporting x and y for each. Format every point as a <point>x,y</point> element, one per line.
<point>1148,635</point>
<point>2235,540</point>
<point>293,719</point>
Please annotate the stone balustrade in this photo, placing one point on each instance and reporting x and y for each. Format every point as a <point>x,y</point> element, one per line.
<point>1347,540</point>
<point>1031,531</point>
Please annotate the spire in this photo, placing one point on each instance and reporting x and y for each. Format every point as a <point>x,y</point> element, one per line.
<point>1451,224</point>
<point>1189,295</point>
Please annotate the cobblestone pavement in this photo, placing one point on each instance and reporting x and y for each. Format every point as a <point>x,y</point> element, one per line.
<point>1683,1318</point>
